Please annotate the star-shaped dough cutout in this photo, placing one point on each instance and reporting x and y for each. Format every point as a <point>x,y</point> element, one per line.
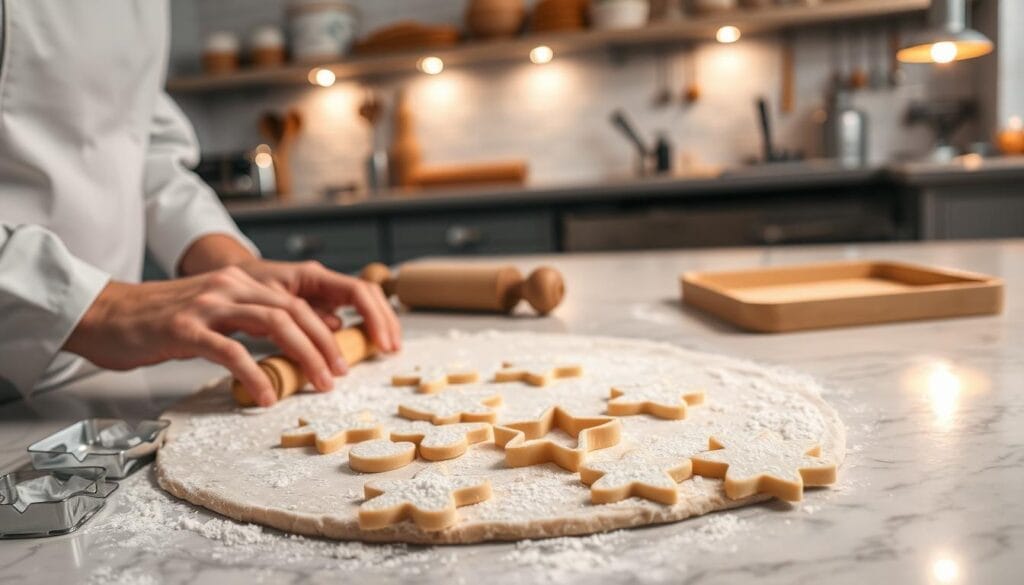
<point>525,443</point>
<point>660,398</point>
<point>452,407</point>
<point>537,372</point>
<point>331,434</point>
<point>431,379</point>
<point>765,464</point>
<point>380,455</point>
<point>635,475</point>
<point>429,499</point>
<point>440,442</point>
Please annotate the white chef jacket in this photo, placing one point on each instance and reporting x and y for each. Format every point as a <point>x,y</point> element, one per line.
<point>94,166</point>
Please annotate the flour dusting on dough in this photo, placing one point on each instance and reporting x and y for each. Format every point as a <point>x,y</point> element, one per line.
<point>227,461</point>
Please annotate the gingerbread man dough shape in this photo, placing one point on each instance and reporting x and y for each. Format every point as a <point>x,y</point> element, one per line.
<point>765,465</point>
<point>452,407</point>
<point>437,443</point>
<point>537,373</point>
<point>429,380</point>
<point>660,398</point>
<point>635,475</point>
<point>429,499</point>
<point>379,455</point>
<point>329,434</point>
<point>525,444</point>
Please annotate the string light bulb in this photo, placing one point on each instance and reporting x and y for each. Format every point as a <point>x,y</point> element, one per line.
<point>728,34</point>
<point>322,77</point>
<point>431,65</point>
<point>541,55</point>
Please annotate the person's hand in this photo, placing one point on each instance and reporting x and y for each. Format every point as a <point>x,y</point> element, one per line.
<point>326,291</point>
<point>131,325</point>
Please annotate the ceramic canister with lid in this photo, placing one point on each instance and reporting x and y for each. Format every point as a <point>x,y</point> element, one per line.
<point>321,30</point>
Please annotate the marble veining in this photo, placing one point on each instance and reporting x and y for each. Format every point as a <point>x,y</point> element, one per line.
<point>929,494</point>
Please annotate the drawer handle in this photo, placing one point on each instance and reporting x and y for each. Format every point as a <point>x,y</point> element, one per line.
<point>303,246</point>
<point>460,237</point>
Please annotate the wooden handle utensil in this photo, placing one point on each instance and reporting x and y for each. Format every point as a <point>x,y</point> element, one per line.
<point>469,288</point>
<point>286,375</point>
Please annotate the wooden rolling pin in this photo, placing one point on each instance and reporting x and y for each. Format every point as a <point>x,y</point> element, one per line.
<point>469,288</point>
<point>286,376</point>
<point>511,173</point>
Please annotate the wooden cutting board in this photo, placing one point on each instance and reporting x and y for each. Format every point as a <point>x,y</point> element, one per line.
<point>839,294</point>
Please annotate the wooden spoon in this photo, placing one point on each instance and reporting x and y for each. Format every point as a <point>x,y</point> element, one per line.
<point>281,132</point>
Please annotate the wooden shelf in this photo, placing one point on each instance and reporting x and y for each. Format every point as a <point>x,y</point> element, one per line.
<point>700,28</point>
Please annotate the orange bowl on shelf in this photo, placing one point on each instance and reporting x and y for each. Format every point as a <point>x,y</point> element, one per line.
<point>1010,141</point>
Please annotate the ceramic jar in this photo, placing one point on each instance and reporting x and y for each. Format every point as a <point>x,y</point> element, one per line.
<point>321,30</point>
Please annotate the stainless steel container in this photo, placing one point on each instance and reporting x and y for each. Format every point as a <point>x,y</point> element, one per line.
<point>846,132</point>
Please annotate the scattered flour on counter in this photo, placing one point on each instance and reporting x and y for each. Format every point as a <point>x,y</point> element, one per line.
<point>559,559</point>
<point>111,576</point>
<point>229,532</point>
<point>711,534</point>
<point>147,521</point>
<point>654,313</point>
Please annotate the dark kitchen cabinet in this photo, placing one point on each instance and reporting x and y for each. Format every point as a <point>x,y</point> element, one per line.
<point>472,233</point>
<point>345,246</point>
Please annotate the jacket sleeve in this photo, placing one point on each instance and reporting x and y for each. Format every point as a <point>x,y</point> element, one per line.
<point>44,291</point>
<point>180,207</point>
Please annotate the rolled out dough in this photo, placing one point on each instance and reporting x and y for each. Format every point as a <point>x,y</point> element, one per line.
<point>228,460</point>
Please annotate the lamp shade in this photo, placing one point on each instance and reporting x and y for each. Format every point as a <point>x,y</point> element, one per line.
<point>947,39</point>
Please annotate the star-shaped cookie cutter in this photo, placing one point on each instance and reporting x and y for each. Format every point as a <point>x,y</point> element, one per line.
<point>525,445</point>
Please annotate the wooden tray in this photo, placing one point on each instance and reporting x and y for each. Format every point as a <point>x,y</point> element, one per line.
<point>816,296</point>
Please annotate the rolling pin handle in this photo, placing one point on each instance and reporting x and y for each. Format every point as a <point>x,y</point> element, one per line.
<point>378,273</point>
<point>286,376</point>
<point>544,289</point>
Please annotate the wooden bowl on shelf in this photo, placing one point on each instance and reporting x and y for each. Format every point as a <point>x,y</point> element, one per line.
<point>712,6</point>
<point>558,16</point>
<point>492,19</point>
<point>408,36</point>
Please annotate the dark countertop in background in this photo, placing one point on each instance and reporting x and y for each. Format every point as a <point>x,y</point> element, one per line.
<point>747,180</point>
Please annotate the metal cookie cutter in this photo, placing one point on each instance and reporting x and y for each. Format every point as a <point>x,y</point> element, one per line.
<point>108,443</point>
<point>47,503</point>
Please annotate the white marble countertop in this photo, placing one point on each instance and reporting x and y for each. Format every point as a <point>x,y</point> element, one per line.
<point>930,492</point>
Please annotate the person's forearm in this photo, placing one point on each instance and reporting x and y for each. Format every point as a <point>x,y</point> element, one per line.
<point>212,252</point>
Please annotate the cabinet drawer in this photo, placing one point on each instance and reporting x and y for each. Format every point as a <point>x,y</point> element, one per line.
<point>341,246</point>
<point>473,233</point>
<point>811,220</point>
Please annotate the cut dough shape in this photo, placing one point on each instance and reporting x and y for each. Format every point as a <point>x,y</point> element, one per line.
<point>537,373</point>
<point>525,445</point>
<point>660,398</point>
<point>437,443</point>
<point>429,380</point>
<point>765,464</point>
<point>452,407</point>
<point>635,475</point>
<point>330,434</point>
<point>381,455</point>
<point>429,499</point>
